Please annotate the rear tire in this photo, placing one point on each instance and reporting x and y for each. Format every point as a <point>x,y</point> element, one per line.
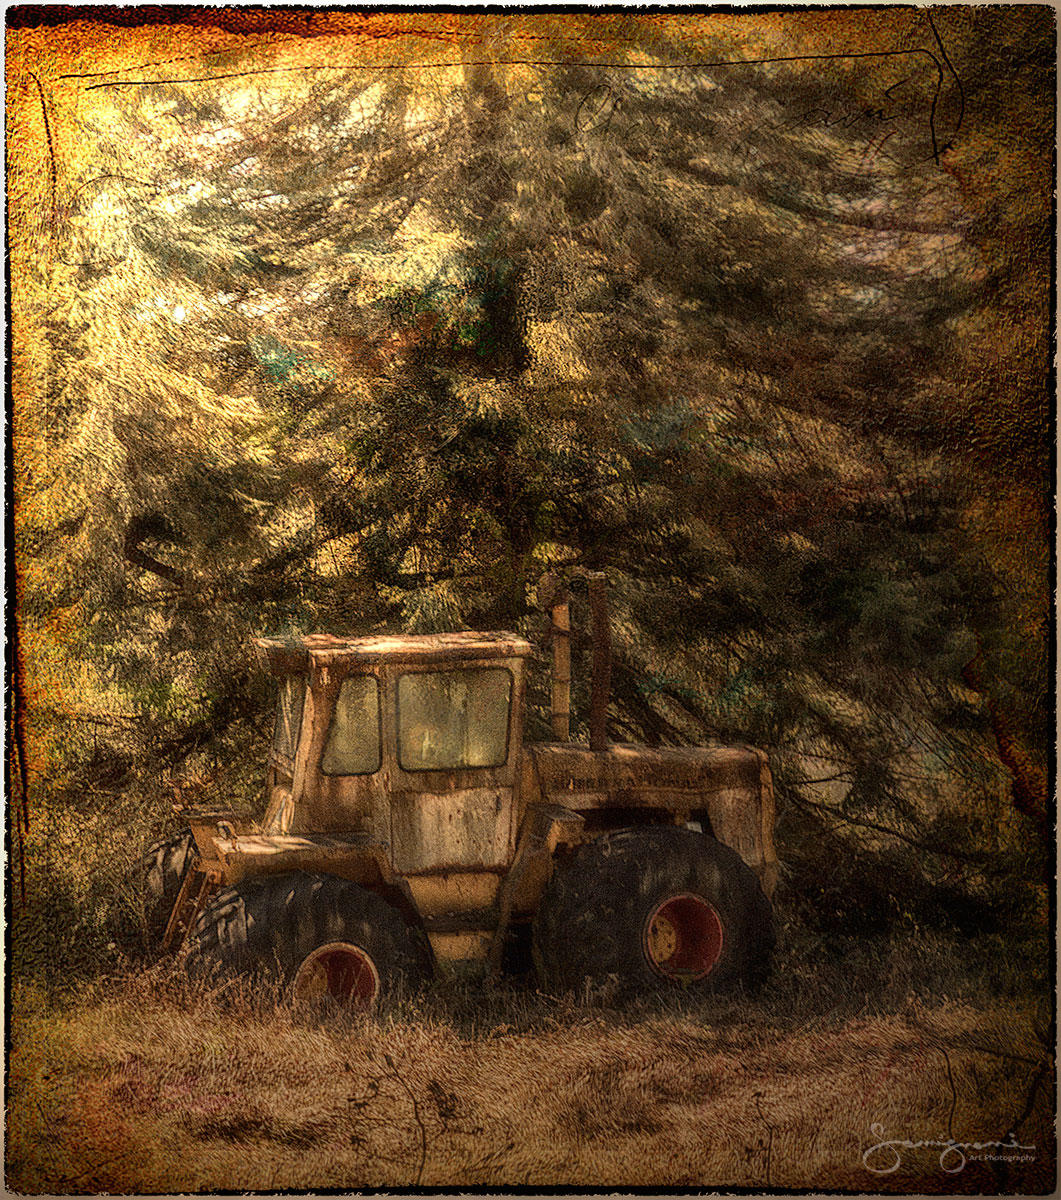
<point>650,910</point>
<point>162,871</point>
<point>317,938</point>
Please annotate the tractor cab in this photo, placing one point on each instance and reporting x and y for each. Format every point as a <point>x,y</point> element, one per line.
<point>412,743</point>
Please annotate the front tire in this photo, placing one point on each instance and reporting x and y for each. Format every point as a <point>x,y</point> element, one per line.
<point>650,910</point>
<point>322,940</point>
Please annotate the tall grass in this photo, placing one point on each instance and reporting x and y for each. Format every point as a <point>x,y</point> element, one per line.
<point>143,1085</point>
<point>125,1078</point>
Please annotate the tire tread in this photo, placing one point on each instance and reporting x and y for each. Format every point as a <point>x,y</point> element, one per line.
<point>589,923</point>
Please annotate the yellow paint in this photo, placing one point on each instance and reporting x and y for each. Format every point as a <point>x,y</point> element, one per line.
<point>454,892</point>
<point>460,947</point>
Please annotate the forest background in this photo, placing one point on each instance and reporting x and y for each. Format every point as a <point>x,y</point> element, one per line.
<point>347,322</point>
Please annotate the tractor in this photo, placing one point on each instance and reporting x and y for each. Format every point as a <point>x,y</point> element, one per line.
<point>409,827</point>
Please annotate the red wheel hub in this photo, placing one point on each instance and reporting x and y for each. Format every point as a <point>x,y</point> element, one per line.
<point>683,938</point>
<point>341,972</point>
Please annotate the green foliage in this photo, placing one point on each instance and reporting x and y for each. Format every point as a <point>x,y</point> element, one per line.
<point>368,353</point>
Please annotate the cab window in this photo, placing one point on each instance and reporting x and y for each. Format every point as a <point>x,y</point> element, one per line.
<point>289,707</point>
<point>353,746</point>
<point>449,720</point>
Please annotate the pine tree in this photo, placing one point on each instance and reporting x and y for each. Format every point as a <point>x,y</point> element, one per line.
<point>355,349</point>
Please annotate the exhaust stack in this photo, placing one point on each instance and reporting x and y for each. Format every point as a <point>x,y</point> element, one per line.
<point>561,635</point>
<point>553,594</point>
<point>602,661</point>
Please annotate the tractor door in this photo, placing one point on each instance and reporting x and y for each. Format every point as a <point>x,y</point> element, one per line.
<point>458,738</point>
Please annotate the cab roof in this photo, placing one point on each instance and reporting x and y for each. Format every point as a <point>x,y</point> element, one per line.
<point>297,655</point>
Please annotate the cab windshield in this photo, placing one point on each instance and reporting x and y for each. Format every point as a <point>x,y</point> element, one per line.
<point>449,720</point>
<point>353,746</point>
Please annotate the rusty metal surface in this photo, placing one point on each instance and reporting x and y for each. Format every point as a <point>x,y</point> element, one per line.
<point>455,892</point>
<point>544,827</point>
<point>340,972</point>
<point>279,811</point>
<point>460,947</point>
<point>567,771</point>
<point>736,820</point>
<point>342,805</point>
<point>272,854</point>
<point>560,635</point>
<point>197,889</point>
<point>323,651</point>
<point>732,782</point>
<point>467,828</point>
<point>381,804</point>
<point>204,827</point>
<point>454,780</point>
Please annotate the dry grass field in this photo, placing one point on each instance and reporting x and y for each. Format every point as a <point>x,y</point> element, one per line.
<point>122,1078</point>
<point>139,1085</point>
